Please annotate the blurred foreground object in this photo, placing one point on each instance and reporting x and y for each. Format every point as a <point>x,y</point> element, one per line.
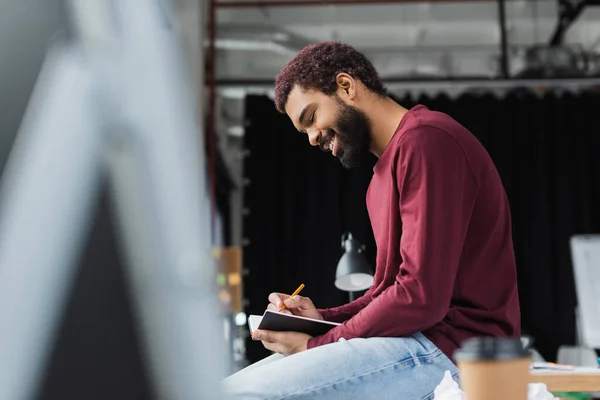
<point>493,368</point>
<point>112,101</point>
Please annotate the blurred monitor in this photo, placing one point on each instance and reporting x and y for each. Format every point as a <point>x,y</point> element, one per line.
<point>586,270</point>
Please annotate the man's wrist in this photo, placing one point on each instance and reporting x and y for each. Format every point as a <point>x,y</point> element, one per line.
<point>324,313</point>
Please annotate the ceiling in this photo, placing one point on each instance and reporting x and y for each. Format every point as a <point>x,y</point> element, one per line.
<point>410,39</point>
<point>441,39</point>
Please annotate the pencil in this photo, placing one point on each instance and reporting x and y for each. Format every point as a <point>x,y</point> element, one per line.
<point>293,294</point>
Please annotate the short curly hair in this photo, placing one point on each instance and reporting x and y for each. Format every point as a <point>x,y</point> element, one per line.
<point>316,67</point>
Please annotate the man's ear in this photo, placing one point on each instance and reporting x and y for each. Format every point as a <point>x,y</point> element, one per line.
<point>346,85</point>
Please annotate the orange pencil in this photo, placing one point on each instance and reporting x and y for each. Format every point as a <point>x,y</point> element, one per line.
<point>293,294</point>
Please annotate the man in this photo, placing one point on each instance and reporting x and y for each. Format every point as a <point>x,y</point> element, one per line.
<point>445,264</point>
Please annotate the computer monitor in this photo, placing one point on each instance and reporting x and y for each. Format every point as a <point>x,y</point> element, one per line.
<point>585,251</point>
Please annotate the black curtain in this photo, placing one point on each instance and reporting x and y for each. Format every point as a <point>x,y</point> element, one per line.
<point>300,201</point>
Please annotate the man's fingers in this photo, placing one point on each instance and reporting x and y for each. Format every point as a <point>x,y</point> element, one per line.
<point>265,336</point>
<point>273,307</point>
<point>277,299</point>
<point>299,302</point>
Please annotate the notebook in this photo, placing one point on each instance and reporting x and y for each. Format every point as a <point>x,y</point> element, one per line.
<point>282,322</point>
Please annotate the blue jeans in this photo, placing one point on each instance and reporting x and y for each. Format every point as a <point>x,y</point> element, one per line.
<point>406,368</point>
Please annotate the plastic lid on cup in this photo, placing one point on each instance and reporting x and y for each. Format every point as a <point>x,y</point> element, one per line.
<point>491,349</point>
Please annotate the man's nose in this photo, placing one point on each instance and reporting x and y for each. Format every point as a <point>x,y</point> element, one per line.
<point>313,137</point>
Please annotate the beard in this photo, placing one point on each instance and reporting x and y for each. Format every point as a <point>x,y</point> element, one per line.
<point>353,135</point>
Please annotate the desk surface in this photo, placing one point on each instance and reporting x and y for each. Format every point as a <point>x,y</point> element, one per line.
<point>577,380</point>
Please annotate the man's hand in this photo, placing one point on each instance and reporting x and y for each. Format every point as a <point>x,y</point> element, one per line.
<point>285,343</point>
<point>297,305</point>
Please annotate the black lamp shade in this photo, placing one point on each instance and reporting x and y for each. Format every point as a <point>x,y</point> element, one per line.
<point>353,272</point>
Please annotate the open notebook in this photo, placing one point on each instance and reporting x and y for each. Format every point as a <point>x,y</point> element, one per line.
<point>281,322</point>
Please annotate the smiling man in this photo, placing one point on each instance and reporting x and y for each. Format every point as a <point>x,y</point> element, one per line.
<point>445,265</point>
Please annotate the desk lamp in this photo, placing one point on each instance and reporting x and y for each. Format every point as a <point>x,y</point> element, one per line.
<point>353,272</point>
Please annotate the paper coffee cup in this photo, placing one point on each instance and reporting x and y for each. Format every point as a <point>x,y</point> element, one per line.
<point>493,369</point>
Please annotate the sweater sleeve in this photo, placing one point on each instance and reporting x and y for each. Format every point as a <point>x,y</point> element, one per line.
<point>345,312</point>
<point>437,192</point>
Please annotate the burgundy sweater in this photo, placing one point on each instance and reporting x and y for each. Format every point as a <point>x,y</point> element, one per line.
<point>445,260</point>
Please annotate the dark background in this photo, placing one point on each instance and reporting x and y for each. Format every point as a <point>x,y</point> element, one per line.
<point>546,148</point>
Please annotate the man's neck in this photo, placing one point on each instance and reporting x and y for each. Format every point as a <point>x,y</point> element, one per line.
<point>385,116</point>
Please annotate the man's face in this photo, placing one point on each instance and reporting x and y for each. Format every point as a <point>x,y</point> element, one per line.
<point>331,124</point>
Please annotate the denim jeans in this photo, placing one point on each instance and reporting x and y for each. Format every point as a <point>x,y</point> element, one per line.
<point>407,368</point>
